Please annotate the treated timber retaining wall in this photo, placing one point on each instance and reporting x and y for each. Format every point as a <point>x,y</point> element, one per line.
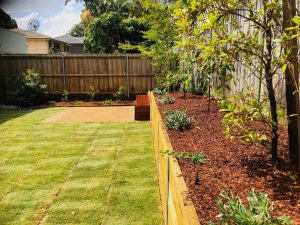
<point>177,208</point>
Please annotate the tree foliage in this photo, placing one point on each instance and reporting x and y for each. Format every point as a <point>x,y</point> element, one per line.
<point>216,37</point>
<point>108,31</point>
<point>77,30</point>
<point>103,34</point>
<point>6,21</point>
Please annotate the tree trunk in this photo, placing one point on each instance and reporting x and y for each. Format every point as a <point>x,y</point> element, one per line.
<point>291,81</point>
<point>271,95</point>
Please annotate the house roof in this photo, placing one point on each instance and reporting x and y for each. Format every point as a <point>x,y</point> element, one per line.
<point>35,35</point>
<point>70,39</point>
<point>32,34</point>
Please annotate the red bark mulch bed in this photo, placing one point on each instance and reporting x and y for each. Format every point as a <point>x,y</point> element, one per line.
<point>231,165</point>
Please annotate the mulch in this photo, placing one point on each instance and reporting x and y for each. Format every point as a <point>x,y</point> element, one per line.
<point>231,165</point>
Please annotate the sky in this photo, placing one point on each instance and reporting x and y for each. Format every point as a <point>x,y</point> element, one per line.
<point>54,16</point>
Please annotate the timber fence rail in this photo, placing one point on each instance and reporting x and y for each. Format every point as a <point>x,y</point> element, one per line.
<point>77,73</point>
<point>177,208</point>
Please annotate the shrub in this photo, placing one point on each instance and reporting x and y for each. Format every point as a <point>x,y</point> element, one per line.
<point>193,157</point>
<point>165,99</point>
<point>200,90</point>
<point>29,90</point>
<point>159,91</point>
<point>92,93</point>
<point>120,94</point>
<point>177,120</point>
<point>258,212</point>
<point>107,102</point>
<point>78,102</point>
<point>65,96</point>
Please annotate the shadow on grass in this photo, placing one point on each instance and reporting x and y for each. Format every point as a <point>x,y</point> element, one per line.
<point>7,114</point>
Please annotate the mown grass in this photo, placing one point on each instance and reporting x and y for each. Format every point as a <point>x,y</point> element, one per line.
<point>88,173</point>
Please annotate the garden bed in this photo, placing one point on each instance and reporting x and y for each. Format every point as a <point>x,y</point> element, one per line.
<point>91,103</point>
<point>231,165</point>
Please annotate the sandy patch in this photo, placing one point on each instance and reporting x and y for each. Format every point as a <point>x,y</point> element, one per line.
<point>92,114</point>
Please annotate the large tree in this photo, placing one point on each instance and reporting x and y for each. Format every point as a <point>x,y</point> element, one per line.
<point>292,79</point>
<point>108,31</point>
<point>77,30</point>
<point>6,21</point>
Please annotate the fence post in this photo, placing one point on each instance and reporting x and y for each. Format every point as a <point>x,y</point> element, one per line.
<point>63,70</point>
<point>127,67</point>
<point>3,91</point>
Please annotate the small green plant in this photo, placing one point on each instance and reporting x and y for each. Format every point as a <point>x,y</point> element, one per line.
<point>107,102</point>
<point>92,93</point>
<point>51,102</point>
<point>120,94</point>
<point>166,99</point>
<point>258,212</point>
<point>237,118</point>
<point>78,102</point>
<point>201,87</point>
<point>177,120</point>
<point>159,91</point>
<point>196,158</point>
<point>28,90</point>
<point>193,157</point>
<point>65,96</point>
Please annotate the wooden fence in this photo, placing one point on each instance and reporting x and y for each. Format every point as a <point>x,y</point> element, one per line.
<point>177,208</point>
<point>77,73</point>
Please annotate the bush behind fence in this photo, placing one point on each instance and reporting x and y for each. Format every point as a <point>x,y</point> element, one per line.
<point>77,73</point>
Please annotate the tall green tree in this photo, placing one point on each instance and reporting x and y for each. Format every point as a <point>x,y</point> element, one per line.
<point>292,77</point>
<point>215,30</point>
<point>107,32</point>
<point>77,30</point>
<point>103,35</point>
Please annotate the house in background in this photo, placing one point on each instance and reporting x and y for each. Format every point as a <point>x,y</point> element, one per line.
<point>75,43</point>
<point>38,43</point>
<point>12,42</point>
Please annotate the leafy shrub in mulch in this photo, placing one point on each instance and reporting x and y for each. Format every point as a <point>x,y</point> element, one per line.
<point>258,212</point>
<point>120,94</point>
<point>166,99</point>
<point>177,120</point>
<point>93,93</point>
<point>28,91</point>
<point>107,102</point>
<point>159,91</point>
<point>196,158</point>
<point>65,96</point>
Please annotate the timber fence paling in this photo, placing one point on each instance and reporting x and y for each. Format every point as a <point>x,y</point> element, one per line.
<point>77,73</point>
<point>177,208</point>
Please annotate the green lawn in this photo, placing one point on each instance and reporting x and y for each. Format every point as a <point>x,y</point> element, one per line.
<point>88,173</point>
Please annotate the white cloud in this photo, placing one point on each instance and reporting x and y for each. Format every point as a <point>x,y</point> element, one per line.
<point>62,22</point>
<point>22,22</point>
<point>56,25</point>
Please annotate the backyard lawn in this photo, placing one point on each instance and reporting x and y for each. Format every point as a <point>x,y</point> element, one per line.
<point>79,173</point>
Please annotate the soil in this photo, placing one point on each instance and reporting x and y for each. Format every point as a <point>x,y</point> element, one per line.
<point>92,114</point>
<point>91,103</point>
<point>231,165</point>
